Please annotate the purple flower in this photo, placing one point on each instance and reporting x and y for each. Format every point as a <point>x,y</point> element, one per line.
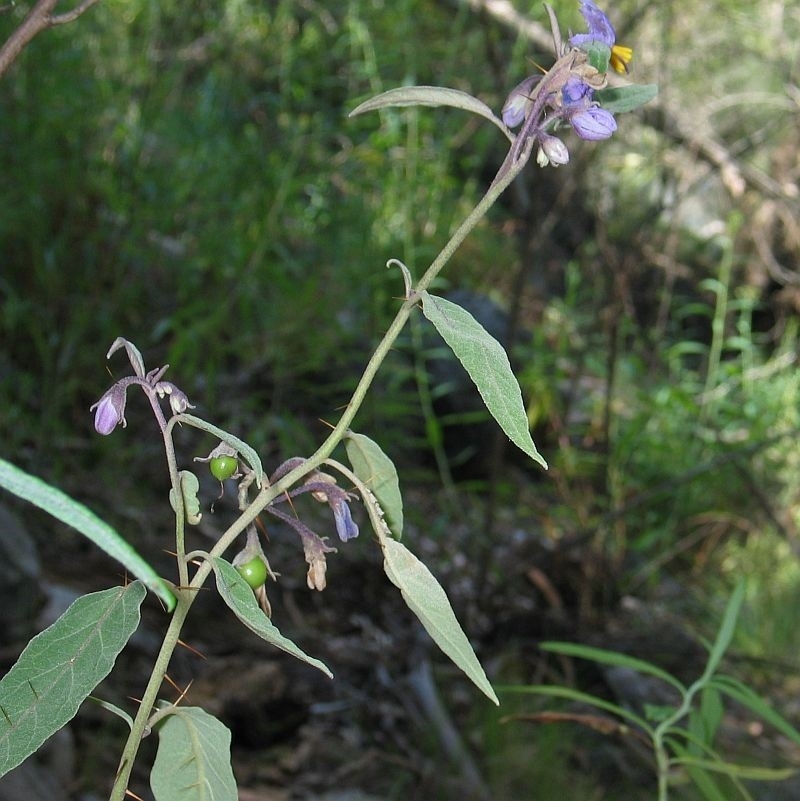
<point>519,103</point>
<point>593,123</point>
<point>587,119</point>
<point>346,528</point>
<point>109,411</point>
<point>601,30</point>
<point>600,27</point>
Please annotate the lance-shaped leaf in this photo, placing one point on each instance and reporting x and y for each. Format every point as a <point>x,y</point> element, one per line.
<point>428,601</point>
<point>378,472</point>
<point>431,96</point>
<point>193,762</point>
<point>65,509</point>
<point>60,667</point>
<point>487,363</point>
<point>239,597</point>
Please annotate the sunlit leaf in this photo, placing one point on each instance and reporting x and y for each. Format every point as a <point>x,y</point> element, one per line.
<point>193,761</point>
<point>65,509</point>
<point>428,601</point>
<point>378,472</point>
<point>487,363</point>
<point>430,96</point>
<point>60,667</point>
<point>238,595</point>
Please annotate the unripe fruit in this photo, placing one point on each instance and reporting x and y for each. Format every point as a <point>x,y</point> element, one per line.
<point>223,467</point>
<point>253,572</point>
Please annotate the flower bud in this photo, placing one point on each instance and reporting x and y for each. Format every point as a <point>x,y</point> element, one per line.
<point>109,411</point>
<point>519,103</point>
<point>552,151</point>
<point>593,123</point>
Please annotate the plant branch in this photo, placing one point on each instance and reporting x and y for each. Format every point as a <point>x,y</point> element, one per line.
<point>39,18</point>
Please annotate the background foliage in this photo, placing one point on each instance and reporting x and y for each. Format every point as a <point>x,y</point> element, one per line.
<point>185,175</point>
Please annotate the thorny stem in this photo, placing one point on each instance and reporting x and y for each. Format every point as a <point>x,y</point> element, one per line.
<point>188,590</point>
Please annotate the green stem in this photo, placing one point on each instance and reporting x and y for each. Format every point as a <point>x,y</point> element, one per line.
<point>186,594</point>
<point>140,722</point>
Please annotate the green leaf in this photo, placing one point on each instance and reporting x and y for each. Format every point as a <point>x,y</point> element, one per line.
<point>430,96</point>
<point>739,771</point>
<point>239,445</point>
<point>428,601</point>
<point>193,762</point>
<point>726,631</point>
<point>239,597</point>
<point>604,657</point>
<point>65,509</point>
<point>620,99</point>
<point>60,667</point>
<point>733,688</point>
<point>568,694</point>
<point>486,362</point>
<point>378,472</point>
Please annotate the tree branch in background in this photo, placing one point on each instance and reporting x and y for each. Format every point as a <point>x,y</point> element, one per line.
<point>39,19</point>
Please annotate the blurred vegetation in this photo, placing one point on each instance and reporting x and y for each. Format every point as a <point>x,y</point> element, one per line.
<point>185,175</point>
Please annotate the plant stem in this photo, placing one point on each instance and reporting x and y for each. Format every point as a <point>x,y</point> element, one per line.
<point>511,167</point>
<point>120,787</point>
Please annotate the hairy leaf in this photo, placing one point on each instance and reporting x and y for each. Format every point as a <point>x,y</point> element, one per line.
<point>428,601</point>
<point>619,99</point>
<point>378,472</point>
<point>60,667</point>
<point>238,595</point>
<point>193,762</point>
<point>486,362</point>
<point>65,509</point>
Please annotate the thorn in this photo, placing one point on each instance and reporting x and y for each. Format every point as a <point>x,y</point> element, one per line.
<point>133,795</point>
<point>5,715</point>
<point>193,650</point>
<point>35,694</point>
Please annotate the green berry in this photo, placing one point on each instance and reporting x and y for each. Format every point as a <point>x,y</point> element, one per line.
<point>254,572</point>
<point>223,467</point>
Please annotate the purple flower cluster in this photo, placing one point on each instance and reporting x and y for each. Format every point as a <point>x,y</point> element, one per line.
<point>566,93</point>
